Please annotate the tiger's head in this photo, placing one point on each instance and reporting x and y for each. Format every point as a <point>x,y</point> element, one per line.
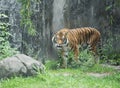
<point>60,39</point>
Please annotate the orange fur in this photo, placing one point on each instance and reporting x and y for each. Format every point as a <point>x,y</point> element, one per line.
<point>70,39</point>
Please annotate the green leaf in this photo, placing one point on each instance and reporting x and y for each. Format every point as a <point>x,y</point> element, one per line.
<point>108,8</point>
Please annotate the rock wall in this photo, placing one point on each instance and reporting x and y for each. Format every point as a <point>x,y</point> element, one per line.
<point>51,15</point>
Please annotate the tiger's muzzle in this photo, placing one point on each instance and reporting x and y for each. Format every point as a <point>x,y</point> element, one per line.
<point>58,46</point>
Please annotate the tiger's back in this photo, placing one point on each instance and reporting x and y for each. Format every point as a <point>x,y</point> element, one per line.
<point>86,35</point>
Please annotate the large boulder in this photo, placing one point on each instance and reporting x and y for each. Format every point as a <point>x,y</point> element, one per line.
<point>20,65</point>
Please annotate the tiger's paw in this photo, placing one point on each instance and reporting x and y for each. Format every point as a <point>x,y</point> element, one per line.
<point>63,66</point>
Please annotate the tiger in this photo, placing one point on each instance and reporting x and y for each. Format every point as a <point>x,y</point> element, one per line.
<point>66,40</point>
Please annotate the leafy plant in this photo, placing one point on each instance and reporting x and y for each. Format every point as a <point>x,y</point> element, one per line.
<point>26,14</point>
<point>51,64</point>
<point>5,48</point>
<point>117,3</point>
<point>108,55</point>
<point>86,59</point>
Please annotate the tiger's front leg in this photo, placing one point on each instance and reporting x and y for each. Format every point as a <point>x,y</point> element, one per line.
<point>64,59</point>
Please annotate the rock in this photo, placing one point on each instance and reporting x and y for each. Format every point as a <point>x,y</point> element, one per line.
<point>20,65</point>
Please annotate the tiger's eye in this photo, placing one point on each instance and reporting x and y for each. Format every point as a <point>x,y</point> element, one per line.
<point>64,40</point>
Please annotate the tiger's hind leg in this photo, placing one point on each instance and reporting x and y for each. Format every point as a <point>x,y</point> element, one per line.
<point>76,54</point>
<point>95,54</point>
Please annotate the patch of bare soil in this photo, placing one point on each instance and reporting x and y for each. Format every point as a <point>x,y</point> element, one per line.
<point>112,66</point>
<point>105,74</point>
<point>99,74</point>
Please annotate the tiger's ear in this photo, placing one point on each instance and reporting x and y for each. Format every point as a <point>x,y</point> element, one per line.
<point>53,33</point>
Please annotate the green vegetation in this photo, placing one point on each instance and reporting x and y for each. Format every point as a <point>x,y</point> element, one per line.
<point>111,54</point>
<point>26,14</point>
<point>67,78</point>
<point>5,48</point>
<point>108,51</point>
<point>117,3</point>
<point>86,58</point>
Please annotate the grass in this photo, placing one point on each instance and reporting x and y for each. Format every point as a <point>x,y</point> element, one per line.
<point>67,78</point>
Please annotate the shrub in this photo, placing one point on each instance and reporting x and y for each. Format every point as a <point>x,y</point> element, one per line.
<point>86,59</point>
<point>109,55</point>
<point>5,48</point>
